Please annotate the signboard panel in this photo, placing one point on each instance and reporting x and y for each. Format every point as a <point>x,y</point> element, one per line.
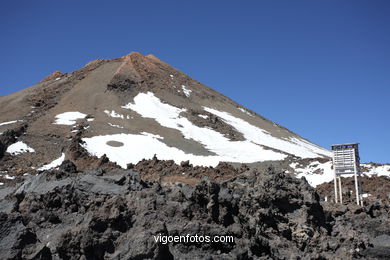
<point>346,161</point>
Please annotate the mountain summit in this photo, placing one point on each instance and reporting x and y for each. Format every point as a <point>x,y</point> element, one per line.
<point>132,108</point>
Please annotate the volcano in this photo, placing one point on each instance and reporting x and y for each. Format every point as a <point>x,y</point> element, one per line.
<point>195,163</point>
<point>132,108</point>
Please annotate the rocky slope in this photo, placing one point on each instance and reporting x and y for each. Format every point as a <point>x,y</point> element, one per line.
<point>113,214</point>
<point>139,106</point>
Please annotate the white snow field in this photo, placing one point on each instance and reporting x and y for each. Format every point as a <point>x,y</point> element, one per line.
<point>68,118</point>
<point>317,173</point>
<point>378,170</point>
<point>57,162</point>
<point>256,135</point>
<point>311,174</point>
<point>137,147</point>
<point>18,148</point>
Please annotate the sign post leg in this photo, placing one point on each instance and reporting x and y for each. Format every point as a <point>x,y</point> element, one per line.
<point>341,192</point>
<point>335,189</point>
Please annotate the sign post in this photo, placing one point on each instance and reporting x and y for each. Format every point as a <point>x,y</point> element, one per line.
<point>346,161</point>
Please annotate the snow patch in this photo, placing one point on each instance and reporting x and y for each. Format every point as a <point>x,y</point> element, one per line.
<point>380,170</point>
<point>186,91</point>
<point>57,162</point>
<point>294,165</point>
<point>149,106</point>
<point>18,148</point>
<point>68,118</point>
<point>116,126</point>
<point>114,114</point>
<point>138,147</point>
<point>9,177</point>
<point>312,147</point>
<point>204,116</point>
<point>9,122</point>
<point>262,137</point>
<point>152,135</point>
<point>244,111</point>
<point>315,173</point>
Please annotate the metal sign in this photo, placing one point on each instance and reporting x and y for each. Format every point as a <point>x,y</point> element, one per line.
<point>346,161</point>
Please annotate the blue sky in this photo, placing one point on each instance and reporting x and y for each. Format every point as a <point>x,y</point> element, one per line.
<point>294,62</point>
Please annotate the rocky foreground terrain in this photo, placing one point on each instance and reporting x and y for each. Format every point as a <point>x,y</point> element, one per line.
<point>114,213</point>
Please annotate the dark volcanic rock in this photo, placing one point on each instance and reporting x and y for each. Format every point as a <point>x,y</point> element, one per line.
<point>213,122</point>
<point>169,171</point>
<point>83,160</point>
<point>3,148</point>
<point>115,215</point>
<point>9,137</point>
<point>369,185</point>
<point>68,166</point>
<point>185,163</point>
